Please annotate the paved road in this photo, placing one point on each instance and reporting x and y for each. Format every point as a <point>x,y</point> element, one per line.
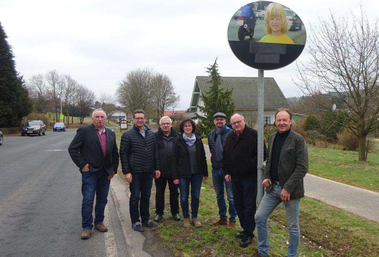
<point>364,203</point>
<point>40,203</point>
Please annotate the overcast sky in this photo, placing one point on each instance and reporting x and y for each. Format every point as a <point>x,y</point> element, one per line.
<point>98,42</point>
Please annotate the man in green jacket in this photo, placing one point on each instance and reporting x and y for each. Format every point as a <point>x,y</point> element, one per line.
<point>283,179</point>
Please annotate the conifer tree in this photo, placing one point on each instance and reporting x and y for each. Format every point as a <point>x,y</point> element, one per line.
<point>14,99</point>
<point>215,100</point>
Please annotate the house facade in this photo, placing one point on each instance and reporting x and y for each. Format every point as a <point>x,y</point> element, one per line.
<point>245,91</point>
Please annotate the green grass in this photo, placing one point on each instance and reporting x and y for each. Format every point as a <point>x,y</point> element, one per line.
<point>343,166</point>
<point>325,231</point>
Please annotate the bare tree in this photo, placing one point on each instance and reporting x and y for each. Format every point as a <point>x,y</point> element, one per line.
<point>70,85</point>
<point>163,94</point>
<point>38,92</point>
<point>345,62</point>
<point>84,100</point>
<point>107,104</point>
<point>134,92</point>
<point>54,84</point>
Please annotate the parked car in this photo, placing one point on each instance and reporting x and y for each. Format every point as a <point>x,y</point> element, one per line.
<point>34,127</point>
<point>59,126</point>
<point>260,14</point>
<point>1,138</point>
<point>293,20</point>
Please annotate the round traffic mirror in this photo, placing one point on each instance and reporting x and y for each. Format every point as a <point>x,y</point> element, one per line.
<point>266,35</point>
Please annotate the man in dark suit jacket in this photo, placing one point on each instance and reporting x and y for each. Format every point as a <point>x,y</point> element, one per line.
<point>283,178</point>
<point>94,151</point>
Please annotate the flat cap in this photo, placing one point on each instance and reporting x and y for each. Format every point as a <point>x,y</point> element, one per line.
<point>219,114</point>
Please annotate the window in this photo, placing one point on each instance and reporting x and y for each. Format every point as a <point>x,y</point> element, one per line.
<point>267,120</point>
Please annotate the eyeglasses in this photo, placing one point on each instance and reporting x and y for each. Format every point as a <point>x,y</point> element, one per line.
<point>139,118</point>
<point>165,124</point>
<point>236,122</point>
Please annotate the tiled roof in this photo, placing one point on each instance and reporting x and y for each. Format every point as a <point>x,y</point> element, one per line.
<point>245,90</point>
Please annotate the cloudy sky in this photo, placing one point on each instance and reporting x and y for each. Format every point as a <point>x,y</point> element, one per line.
<point>98,42</point>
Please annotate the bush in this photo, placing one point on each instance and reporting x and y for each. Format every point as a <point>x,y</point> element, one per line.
<point>348,140</point>
<point>312,137</point>
<point>311,123</point>
<point>268,130</point>
<point>40,116</point>
<point>299,129</point>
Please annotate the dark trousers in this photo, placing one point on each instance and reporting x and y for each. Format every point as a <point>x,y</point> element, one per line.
<point>94,183</point>
<point>245,194</point>
<point>160,185</point>
<point>140,190</point>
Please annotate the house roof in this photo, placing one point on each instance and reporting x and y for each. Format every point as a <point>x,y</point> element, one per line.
<point>245,91</point>
<point>172,112</point>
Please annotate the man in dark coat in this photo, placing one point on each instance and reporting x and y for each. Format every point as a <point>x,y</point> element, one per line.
<point>166,137</point>
<point>283,178</point>
<point>94,151</point>
<point>240,167</point>
<point>140,161</point>
<point>216,141</point>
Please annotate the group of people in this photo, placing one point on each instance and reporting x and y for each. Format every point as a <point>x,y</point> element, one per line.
<point>179,160</point>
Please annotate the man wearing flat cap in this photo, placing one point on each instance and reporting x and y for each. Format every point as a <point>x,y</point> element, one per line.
<point>216,140</point>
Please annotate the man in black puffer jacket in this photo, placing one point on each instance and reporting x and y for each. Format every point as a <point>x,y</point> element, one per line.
<point>139,159</point>
<point>166,137</point>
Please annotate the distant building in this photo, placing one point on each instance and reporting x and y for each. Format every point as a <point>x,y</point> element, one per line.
<point>173,112</point>
<point>116,116</point>
<point>245,90</point>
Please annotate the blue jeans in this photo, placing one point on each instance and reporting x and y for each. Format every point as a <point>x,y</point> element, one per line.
<point>245,195</point>
<point>184,185</point>
<point>267,205</point>
<point>94,183</point>
<point>218,184</point>
<point>140,190</point>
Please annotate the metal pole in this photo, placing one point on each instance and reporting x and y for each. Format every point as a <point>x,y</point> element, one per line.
<point>260,133</point>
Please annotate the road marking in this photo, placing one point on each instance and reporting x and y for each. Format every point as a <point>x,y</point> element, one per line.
<point>110,239</point>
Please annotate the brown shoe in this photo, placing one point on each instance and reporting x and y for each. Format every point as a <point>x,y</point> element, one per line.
<point>231,225</point>
<point>196,223</point>
<point>86,234</point>
<point>101,227</point>
<point>186,223</point>
<point>257,254</point>
<point>220,222</point>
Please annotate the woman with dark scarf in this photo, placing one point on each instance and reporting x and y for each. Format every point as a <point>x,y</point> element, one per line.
<point>189,168</point>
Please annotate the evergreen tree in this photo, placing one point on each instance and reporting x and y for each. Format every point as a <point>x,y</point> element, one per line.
<point>14,99</point>
<point>215,100</point>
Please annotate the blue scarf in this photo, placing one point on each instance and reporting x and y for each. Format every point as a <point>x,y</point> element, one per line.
<point>189,140</point>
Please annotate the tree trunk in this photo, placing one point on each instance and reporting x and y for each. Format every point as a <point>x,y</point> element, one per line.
<point>362,148</point>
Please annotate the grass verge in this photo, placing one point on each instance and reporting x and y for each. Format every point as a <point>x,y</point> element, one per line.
<point>325,231</point>
<point>343,166</point>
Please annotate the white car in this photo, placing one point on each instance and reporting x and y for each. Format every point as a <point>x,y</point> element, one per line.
<point>293,20</point>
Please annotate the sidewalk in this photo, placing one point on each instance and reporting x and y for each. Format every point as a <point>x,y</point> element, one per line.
<point>362,202</point>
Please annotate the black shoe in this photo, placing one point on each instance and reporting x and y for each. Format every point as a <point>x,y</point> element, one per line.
<point>150,224</point>
<point>158,218</point>
<point>239,235</point>
<point>176,217</point>
<point>246,240</point>
<point>137,226</point>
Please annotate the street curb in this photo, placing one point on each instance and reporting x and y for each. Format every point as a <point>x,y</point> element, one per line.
<point>135,241</point>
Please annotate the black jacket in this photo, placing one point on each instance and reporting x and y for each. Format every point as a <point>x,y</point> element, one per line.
<point>181,162</point>
<point>165,146</point>
<point>292,166</point>
<point>212,145</point>
<point>138,153</point>
<point>86,148</point>
<point>240,155</point>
